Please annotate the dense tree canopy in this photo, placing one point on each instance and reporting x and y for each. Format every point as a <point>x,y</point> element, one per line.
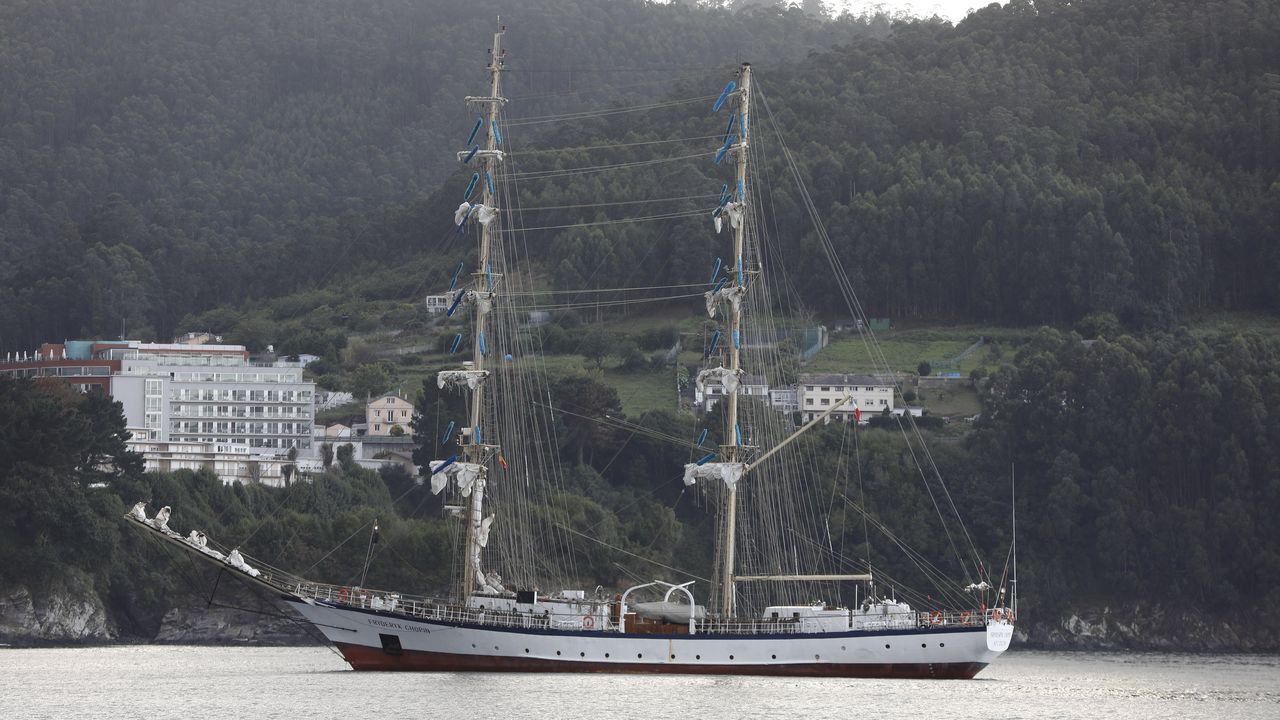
<point>162,158</point>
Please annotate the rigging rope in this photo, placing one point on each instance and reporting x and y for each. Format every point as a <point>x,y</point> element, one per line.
<point>616,221</point>
<point>855,308</point>
<point>586,170</point>
<point>586,114</point>
<point>610,146</point>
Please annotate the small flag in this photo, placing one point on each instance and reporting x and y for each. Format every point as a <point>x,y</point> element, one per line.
<point>503,462</point>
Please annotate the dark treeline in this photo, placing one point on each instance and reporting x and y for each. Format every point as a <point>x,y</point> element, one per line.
<point>162,158</point>
<point>1145,473</point>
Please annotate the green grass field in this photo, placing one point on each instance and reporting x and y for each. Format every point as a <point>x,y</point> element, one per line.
<point>905,349</point>
<point>952,401</point>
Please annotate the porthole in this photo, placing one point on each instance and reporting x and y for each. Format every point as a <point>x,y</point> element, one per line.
<point>526,651</point>
<point>942,644</point>
<point>697,657</point>
<point>495,647</point>
<point>775,657</point>
<point>582,654</point>
<point>558,652</point>
<point>606,654</point>
<point>924,644</point>
<point>473,646</point>
<point>673,657</point>
<point>639,655</point>
<point>841,647</point>
<point>886,647</point>
<point>817,657</point>
<point>730,657</point>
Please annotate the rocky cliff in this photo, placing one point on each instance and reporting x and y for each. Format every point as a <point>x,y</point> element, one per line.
<point>272,625</point>
<point>67,610</point>
<point>1148,627</point>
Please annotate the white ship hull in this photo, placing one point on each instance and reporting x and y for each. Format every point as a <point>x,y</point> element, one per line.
<point>380,640</point>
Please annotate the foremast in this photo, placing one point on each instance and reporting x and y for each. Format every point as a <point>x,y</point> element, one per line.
<point>731,450</point>
<point>470,472</point>
<point>481,282</point>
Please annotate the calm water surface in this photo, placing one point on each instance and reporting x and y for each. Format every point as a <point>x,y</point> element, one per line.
<point>198,682</point>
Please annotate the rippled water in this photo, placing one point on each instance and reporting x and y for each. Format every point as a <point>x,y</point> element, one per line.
<point>198,682</point>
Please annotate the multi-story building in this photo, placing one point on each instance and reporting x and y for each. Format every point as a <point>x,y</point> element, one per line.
<point>384,414</point>
<point>816,394</point>
<point>186,394</point>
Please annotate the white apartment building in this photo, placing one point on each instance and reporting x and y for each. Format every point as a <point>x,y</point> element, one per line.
<point>816,394</point>
<point>785,399</point>
<point>211,394</point>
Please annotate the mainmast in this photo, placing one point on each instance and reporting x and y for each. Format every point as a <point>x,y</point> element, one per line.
<point>482,279</point>
<point>731,450</point>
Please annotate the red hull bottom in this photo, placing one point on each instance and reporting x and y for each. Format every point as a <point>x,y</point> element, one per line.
<point>366,658</point>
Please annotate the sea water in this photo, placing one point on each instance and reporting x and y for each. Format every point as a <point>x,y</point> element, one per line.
<point>313,682</point>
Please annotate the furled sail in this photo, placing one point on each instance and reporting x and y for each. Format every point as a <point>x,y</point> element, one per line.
<point>467,476</point>
<point>458,378</point>
<point>728,379</point>
<point>731,294</point>
<point>730,473</point>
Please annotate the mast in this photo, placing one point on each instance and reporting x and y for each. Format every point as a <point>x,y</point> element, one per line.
<point>482,277</point>
<point>731,450</point>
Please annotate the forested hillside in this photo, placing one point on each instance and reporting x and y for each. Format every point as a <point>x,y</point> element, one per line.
<point>282,173</point>
<point>159,158</point>
<point>1038,163</point>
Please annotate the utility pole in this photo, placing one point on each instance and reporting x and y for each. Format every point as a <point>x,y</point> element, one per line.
<point>731,449</point>
<point>481,279</point>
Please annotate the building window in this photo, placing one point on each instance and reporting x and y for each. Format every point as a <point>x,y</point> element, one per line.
<point>826,401</point>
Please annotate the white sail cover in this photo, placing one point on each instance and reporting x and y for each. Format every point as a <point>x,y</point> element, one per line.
<point>235,560</point>
<point>727,378</point>
<point>731,294</point>
<point>730,473</point>
<point>482,535</point>
<point>491,583</point>
<point>485,214</point>
<point>458,378</point>
<point>734,210</point>
<point>465,475</point>
<point>139,512</point>
<point>482,300</point>
<point>161,520</point>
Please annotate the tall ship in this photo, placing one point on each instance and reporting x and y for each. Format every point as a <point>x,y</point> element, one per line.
<point>773,604</point>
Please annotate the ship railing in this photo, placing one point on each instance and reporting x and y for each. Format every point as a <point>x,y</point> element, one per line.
<point>428,608</point>
<point>949,619</point>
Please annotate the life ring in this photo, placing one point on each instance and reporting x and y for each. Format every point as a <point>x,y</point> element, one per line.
<point>342,595</point>
<point>935,617</point>
<point>588,622</point>
<point>997,614</point>
<point>964,617</point>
